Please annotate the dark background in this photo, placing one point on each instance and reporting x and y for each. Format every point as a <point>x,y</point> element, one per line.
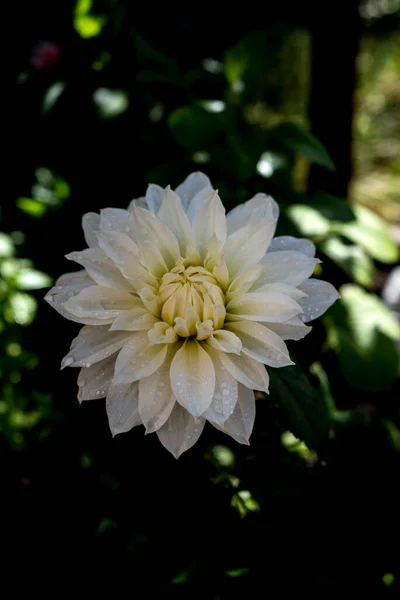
<point>315,513</point>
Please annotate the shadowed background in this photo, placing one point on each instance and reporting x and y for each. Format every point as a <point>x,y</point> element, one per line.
<point>302,104</point>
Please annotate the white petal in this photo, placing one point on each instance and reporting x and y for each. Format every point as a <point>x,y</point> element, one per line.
<point>256,306</point>
<point>209,220</point>
<point>93,344</point>
<point>101,268</point>
<point>91,226</point>
<point>122,250</point>
<point>94,381</point>
<point>261,343</point>
<point>153,197</point>
<point>156,399</point>
<point>247,245</point>
<point>246,370</point>
<point>225,394</point>
<point>194,184</point>
<point>136,319</point>
<point>280,288</point>
<point>321,295</point>
<point>287,242</point>
<point>116,219</point>
<point>259,207</point>
<point>294,329</point>
<point>122,407</point>
<point>240,424</point>
<point>174,217</point>
<point>66,287</point>
<point>138,358</point>
<point>244,280</point>
<point>225,341</point>
<point>181,431</point>
<point>103,303</point>
<point>148,229</point>
<point>286,266</point>
<point>193,377</point>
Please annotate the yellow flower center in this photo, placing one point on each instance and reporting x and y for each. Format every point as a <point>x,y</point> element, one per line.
<point>192,301</point>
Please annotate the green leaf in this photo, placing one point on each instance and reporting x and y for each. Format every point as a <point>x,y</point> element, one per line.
<point>6,245</point>
<point>300,140</point>
<point>372,233</point>
<point>307,220</point>
<point>352,259</point>
<point>305,407</point>
<point>237,572</point>
<point>30,279</point>
<point>51,96</point>
<point>364,332</point>
<point>194,127</point>
<point>32,207</point>
<point>332,208</point>
<point>85,24</point>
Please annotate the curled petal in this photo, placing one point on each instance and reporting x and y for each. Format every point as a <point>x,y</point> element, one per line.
<point>172,214</point>
<point>196,186</point>
<point>93,344</point>
<point>94,381</point>
<point>136,319</point>
<point>138,358</point>
<point>287,242</point>
<point>91,226</point>
<point>294,329</point>
<point>321,295</point>
<point>153,197</point>
<point>162,333</point>
<point>68,286</point>
<point>225,341</point>
<point>257,306</point>
<point>225,394</point>
<point>181,431</point>
<point>101,268</point>
<point>247,245</point>
<point>98,302</point>
<point>286,266</point>
<point>259,207</point>
<point>246,370</point>
<point>240,424</point>
<point>122,407</point>
<point>261,343</point>
<point>156,399</point>
<point>209,221</point>
<point>193,377</point>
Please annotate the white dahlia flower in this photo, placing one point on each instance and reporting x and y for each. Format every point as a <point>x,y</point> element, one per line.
<point>183,306</point>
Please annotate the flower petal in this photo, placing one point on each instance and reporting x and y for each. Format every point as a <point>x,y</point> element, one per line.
<point>240,424</point>
<point>257,306</point>
<point>247,245</point>
<point>225,341</point>
<point>93,344</point>
<point>172,214</point>
<point>246,370</point>
<point>138,358</point>
<point>321,295</point>
<point>153,197</point>
<point>148,229</point>
<point>91,226</point>
<point>123,251</point>
<point>181,431</point>
<point>209,220</point>
<point>156,399</point>
<point>101,268</point>
<point>136,319</point>
<point>122,407</point>
<point>281,288</point>
<point>288,242</point>
<point>286,266</point>
<point>259,207</point>
<point>94,381</point>
<point>294,329</point>
<point>195,185</point>
<point>116,219</point>
<point>66,287</point>
<point>225,394</point>
<point>261,343</point>
<point>193,377</point>
<point>103,303</point>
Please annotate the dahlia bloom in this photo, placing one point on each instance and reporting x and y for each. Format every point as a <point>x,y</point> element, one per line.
<point>183,306</point>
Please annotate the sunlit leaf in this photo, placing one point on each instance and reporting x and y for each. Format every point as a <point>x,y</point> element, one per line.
<point>372,233</point>
<point>32,207</point>
<point>352,259</point>
<point>30,279</point>
<point>302,141</point>
<point>6,245</point>
<point>237,572</point>
<point>364,332</point>
<point>308,221</point>
<point>21,309</point>
<point>85,24</point>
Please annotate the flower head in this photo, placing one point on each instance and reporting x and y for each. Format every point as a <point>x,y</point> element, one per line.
<point>183,306</point>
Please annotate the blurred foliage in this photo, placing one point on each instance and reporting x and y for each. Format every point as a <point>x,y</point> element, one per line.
<point>113,102</point>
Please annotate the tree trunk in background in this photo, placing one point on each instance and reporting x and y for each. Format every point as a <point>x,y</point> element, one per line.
<point>335,44</point>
